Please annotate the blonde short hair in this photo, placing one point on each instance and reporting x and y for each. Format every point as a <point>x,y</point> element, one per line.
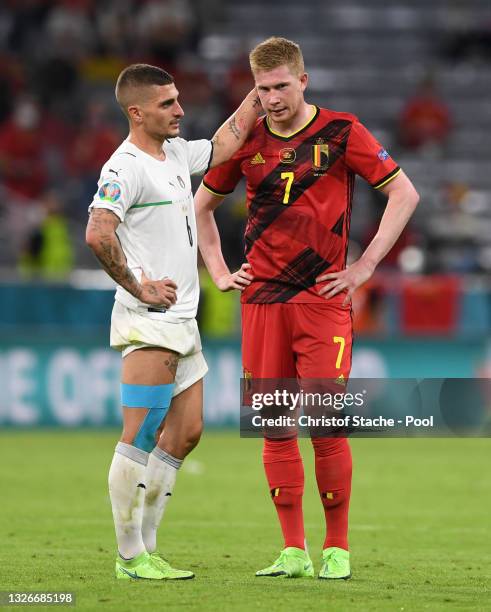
<point>275,52</point>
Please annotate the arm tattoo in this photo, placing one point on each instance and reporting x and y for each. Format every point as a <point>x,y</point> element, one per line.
<point>107,249</point>
<point>232,126</point>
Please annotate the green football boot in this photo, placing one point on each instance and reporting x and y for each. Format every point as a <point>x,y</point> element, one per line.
<point>292,563</point>
<point>141,567</point>
<point>169,572</point>
<point>335,564</point>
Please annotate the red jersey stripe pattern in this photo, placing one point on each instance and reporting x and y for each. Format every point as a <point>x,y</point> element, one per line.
<point>299,200</point>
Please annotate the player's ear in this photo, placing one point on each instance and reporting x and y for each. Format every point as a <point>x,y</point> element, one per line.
<point>135,114</point>
<point>304,79</point>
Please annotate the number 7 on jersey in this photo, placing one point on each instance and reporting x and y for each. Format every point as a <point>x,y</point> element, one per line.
<point>288,176</point>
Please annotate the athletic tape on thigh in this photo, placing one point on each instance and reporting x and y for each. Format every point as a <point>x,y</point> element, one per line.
<point>157,399</point>
<point>146,396</point>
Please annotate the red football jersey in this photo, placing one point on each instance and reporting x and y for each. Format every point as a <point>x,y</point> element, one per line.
<point>299,197</point>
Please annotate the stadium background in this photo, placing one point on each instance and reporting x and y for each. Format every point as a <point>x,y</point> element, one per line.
<point>416,72</point>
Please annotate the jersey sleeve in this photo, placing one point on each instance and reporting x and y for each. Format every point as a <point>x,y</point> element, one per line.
<point>118,187</point>
<point>223,179</point>
<point>199,154</point>
<point>368,158</point>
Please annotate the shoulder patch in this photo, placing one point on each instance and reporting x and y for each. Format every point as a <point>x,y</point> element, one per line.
<point>383,155</point>
<point>110,192</point>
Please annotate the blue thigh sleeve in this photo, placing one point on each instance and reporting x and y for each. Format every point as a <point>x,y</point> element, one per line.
<point>157,399</point>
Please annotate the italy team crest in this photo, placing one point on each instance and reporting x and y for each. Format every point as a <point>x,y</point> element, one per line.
<point>320,156</point>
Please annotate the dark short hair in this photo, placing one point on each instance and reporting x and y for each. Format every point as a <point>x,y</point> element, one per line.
<point>137,76</point>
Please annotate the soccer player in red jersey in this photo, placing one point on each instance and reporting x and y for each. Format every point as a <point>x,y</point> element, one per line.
<point>300,163</point>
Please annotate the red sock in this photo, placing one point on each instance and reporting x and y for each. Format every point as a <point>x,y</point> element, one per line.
<point>333,473</point>
<point>284,471</point>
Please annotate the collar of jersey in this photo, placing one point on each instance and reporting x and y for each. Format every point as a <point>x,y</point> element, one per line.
<point>296,132</point>
<point>142,152</point>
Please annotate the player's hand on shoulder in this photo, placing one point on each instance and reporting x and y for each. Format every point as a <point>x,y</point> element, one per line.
<point>237,280</point>
<point>158,292</point>
<point>350,279</point>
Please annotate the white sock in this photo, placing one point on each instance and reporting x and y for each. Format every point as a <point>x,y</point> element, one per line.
<point>127,493</point>
<point>160,478</point>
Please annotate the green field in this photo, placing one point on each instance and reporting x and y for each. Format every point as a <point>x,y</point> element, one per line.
<point>420,527</point>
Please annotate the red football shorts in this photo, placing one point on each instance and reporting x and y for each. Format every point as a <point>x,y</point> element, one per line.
<point>296,340</point>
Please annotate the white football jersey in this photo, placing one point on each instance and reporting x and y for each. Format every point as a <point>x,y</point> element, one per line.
<point>155,203</point>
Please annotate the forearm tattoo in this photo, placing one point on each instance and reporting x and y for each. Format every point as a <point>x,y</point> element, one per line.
<point>107,249</point>
<point>232,126</point>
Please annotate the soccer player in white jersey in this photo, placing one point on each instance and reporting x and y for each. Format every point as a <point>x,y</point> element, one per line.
<point>142,229</point>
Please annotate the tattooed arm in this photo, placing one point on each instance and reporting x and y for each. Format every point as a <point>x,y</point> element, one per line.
<point>102,239</point>
<point>233,133</point>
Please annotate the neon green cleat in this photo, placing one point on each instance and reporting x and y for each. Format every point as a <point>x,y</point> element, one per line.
<point>292,563</point>
<point>170,572</point>
<point>141,567</point>
<point>335,564</point>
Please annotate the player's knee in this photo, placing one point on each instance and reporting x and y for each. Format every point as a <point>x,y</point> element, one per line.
<point>156,398</point>
<point>280,450</point>
<point>326,447</point>
<point>144,437</point>
<point>181,442</point>
<point>287,496</point>
<point>193,436</point>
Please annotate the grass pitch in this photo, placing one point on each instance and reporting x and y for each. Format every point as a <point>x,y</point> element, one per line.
<point>420,527</point>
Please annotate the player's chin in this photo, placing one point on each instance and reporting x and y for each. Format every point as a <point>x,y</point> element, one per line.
<point>174,130</point>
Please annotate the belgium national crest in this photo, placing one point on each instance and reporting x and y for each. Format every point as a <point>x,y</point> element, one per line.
<point>320,156</point>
